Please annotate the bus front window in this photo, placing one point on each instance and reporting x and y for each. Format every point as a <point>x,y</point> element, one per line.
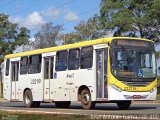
<point>133,62</point>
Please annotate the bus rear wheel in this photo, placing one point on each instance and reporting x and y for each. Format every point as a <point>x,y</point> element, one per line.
<point>62,104</point>
<point>123,105</point>
<point>86,100</point>
<point>28,100</point>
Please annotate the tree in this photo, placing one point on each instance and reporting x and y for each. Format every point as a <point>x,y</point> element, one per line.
<point>90,29</point>
<point>70,38</point>
<point>139,18</point>
<point>11,36</point>
<point>47,36</point>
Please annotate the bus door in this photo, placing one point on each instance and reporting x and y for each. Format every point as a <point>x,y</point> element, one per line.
<point>48,75</point>
<point>14,80</point>
<point>101,73</point>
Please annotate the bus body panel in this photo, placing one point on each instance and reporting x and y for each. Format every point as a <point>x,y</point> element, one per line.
<point>68,82</point>
<point>34,82</point>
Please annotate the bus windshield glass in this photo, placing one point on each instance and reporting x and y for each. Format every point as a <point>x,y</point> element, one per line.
<point>133,58</point>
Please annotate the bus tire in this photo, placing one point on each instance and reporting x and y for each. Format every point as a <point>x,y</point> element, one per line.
<point>28,99</point>
<point>86,102</point>
<point>123,105</point>
<point>63,104</point>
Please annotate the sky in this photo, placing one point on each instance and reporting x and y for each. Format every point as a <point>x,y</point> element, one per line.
<point>34,13</point>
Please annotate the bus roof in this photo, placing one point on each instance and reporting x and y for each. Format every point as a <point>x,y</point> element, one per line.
<point>69,46</point>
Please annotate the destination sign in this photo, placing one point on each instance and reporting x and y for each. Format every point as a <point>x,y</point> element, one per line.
<point>136,43</point>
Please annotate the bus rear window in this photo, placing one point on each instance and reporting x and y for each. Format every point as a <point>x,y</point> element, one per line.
<point>7,67</point>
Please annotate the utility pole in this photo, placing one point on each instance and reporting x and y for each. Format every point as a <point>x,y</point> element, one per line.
<point>64,38</point>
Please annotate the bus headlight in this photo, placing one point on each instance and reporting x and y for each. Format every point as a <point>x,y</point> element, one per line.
<point>116,88</point>
<point>153,89</point>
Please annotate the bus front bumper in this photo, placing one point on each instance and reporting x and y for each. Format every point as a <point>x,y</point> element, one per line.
<point>115,94</point>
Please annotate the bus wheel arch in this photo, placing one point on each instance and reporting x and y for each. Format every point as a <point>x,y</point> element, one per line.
<point>80,91</point>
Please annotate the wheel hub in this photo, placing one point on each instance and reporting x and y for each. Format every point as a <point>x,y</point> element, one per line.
<point>86,99</point>
<point>27,99</point>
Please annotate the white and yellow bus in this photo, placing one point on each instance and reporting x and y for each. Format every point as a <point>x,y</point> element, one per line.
<point>115,70</point>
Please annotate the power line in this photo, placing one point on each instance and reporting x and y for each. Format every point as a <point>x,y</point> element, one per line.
<point>82,13</point>
<point>31,6</point>
<point>7,3</point>
<point>43,13</point>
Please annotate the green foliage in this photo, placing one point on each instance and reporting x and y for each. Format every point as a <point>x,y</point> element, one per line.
<point>11,36</point>
<point>138,18</point>
<point>47,35</point>
<point>70,38</point>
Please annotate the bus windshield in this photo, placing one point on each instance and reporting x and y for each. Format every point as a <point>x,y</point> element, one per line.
<point>133,59</point>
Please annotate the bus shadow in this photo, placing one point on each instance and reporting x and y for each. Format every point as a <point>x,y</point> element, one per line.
<point>78,107</point>
<point>114,107</point>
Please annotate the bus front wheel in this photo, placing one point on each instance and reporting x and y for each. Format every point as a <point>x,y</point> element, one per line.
<point>86,100</point>
<point>123,105</point>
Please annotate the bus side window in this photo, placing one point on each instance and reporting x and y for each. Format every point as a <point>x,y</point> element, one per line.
<point>61,60</point>
<point>24,65</point>
<point>34,64</point>
<point>74,56</point>
<point>86,57</point>
<point>7,67</point>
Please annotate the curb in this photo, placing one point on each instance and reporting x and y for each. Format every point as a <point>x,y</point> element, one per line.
<point>146,102</point>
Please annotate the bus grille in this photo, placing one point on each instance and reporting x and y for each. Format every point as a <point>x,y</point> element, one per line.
<point>139,83</point>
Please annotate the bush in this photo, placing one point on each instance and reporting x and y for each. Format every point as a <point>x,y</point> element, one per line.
<point>1,89</point>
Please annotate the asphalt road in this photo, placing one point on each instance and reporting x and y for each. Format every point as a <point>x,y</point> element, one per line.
<point>141,111</point>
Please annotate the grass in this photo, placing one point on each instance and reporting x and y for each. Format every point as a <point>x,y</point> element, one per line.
<point>1,96</point>
<point>158,97</point>
<point>23,116</point>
